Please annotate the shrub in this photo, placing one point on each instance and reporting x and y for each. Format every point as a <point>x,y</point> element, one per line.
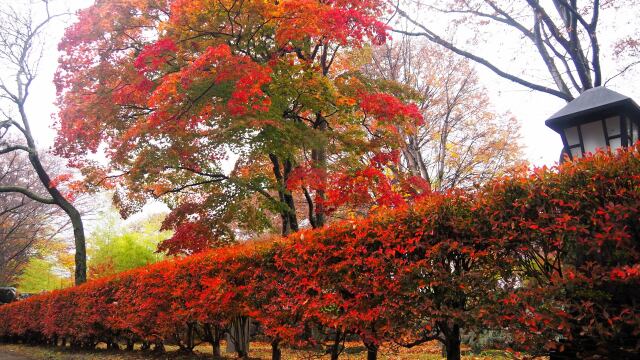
<point>549,257</point>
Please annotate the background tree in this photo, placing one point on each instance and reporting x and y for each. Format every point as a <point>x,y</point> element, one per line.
<point>456,141</point>
<point>564,35</point>
<point>115,246</point>
<point>25,225</point>
<point>21,46</point>
<point>49,268</point>
<point>462,141</point>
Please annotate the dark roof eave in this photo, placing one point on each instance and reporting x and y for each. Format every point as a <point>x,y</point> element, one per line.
<point>627,105</point>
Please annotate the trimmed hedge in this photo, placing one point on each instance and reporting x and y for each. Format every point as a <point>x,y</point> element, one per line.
<point>548,257</point>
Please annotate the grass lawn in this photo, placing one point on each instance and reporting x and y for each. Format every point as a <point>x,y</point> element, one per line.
<point>259,350</point>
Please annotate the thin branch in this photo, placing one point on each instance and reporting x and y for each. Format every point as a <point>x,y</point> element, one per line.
<point>621,72</point>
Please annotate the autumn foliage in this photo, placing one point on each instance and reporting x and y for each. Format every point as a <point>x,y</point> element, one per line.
<point>170,88</point>
<point>549,257</point>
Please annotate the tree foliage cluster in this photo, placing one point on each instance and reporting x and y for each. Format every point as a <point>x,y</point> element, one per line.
<point>168,89</point>
<point>179,84</point>
<point>113,246</point>
<point>47,270</point>
<point>548,256</point>
<point>116,246</point>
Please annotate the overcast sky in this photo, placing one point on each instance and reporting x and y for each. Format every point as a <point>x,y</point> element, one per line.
<point>531,108</point>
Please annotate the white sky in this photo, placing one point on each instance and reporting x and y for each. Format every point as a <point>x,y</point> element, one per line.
<point>531,108</point>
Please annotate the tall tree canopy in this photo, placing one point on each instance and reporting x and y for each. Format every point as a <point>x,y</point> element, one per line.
<point>168,88</point>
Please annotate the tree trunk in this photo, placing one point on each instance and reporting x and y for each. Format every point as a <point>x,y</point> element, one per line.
<point>415,161</point>
<point>238,336</point>
<point>372,352</point>
<point>217,354</point>
<point>159,347</point>
<point>335,353</point>
<point>288,213</point>
<point>335,347</point>
<point>80,245</point>
<point>113,345</point>
<point>288,197</point>
<point>60,200</point>
<point>453,343</point>
<point>319,158</point>
<point>276,352</point>
<point>213,335</point>
<point>70,210</point>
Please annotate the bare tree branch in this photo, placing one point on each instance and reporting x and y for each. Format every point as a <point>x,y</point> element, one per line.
<point>567,39</point>
<point>30,194</point>
<point>21,49</point>
<point>9,149</point>
<point>431,36</point>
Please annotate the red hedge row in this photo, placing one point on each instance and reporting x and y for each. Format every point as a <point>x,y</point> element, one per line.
<point>548,259</point>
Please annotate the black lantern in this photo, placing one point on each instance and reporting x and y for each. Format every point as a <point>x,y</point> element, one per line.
<point>598,118</point>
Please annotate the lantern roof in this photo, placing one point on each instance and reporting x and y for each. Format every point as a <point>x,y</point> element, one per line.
<point>596,102</point>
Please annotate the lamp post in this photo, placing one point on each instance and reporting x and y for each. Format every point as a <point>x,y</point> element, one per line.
<point>598,118</point>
